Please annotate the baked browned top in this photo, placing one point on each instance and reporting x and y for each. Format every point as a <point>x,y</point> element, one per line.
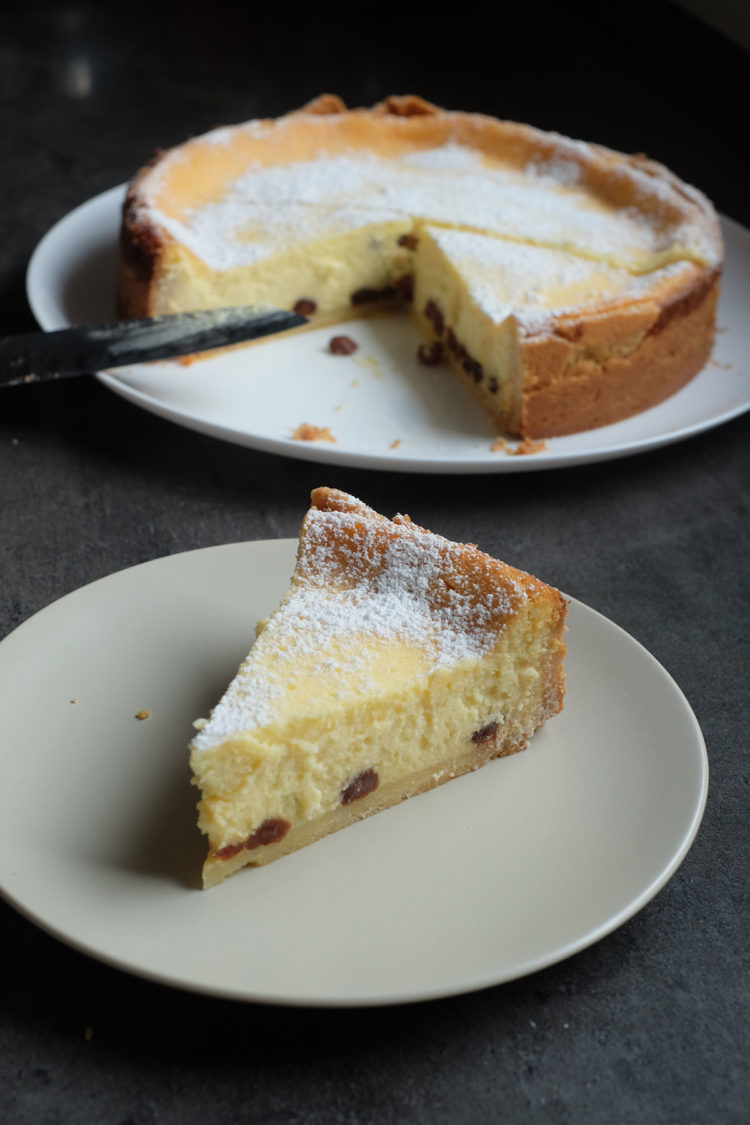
<point>176,183</point>
<point>345,543</point>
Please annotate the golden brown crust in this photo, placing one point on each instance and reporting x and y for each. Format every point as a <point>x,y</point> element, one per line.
<point>405,105</point>
<point>325,103</point>
<point>604,365</point>
<point>570,387</point>
<point>141,249</point>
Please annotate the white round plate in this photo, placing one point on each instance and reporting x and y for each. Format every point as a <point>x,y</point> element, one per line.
<point>483,880</point>
<point>384,409</point>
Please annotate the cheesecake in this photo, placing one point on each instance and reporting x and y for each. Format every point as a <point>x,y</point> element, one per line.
<point>396,661</point>
<point>328,211</point>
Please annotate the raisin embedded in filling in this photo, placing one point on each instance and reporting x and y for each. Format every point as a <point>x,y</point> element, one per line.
<point>367,296</point>
<point>485,734</point>
<point>360,786</point>
<point>474,368</point>
<point>229,851</point>
<point>404,286</point>
<point>410,241</point>
<point>435,317</point>
<point>305,306</point>
<point>457,349</point>
<point>471,366</point>
<point>271,831</point>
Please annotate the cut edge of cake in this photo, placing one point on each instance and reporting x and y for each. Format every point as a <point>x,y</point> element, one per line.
<point>580,361</point>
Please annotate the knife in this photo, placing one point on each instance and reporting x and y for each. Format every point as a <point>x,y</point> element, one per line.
<point>37,356</point>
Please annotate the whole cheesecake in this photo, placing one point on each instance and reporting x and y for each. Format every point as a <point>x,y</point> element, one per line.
<point>396,661</point>
<point>568,285</point>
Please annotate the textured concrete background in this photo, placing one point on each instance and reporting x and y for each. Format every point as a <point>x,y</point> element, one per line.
<point>651,1024</point>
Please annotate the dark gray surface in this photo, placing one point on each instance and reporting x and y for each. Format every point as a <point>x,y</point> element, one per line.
<point>651,1024</point>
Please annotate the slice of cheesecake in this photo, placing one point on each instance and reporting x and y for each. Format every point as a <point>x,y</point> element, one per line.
<point>551,342</point>
<point>396,661</point>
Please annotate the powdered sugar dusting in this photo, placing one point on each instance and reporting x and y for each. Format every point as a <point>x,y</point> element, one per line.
<point>365,583</point>
<point>563,171</point>
<point>545,203</point>
<point>406,583</point>
<point>236,233</point>
<point>535,284</point>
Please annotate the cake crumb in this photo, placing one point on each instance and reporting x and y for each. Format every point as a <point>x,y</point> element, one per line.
<point>528,446</point>
<point>370,362</point>
<point>306,432</point>
<point>143,714</point>
<point>525,447</point>
<point>395,443</point>
<point>88,1034</point>
<point>74,700</point>
<point>14,441</point>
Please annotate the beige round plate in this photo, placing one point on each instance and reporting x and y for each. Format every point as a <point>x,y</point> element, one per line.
<point>483,880</point>
<point>384,409</point>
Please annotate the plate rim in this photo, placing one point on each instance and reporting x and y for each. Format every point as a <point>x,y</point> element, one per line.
<point>469,983</point>
<point>309,452</point>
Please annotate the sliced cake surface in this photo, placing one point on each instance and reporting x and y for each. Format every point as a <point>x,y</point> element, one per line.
<point>325,210</point>
<point>396,661</point>
<point>552,342</point>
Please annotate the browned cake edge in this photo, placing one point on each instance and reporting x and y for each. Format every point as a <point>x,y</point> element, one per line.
<point>594,369</point>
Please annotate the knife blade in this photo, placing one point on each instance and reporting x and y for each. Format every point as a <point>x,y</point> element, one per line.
<point>87,348</point>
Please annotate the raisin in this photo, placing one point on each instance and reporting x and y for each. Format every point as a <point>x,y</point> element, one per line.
<point>405,286</point>
<point>360,786</point>
<point>485,734</point>
<point>366,296</point>
<point>473,368</point>
<point>229,851</point>
<point>342,345</point>
<point>430,354</point>
<point>305,306</point>
<point>435,317</point>
<point>410,241</point>
<point>453,345</point>
<point>270,832</point>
